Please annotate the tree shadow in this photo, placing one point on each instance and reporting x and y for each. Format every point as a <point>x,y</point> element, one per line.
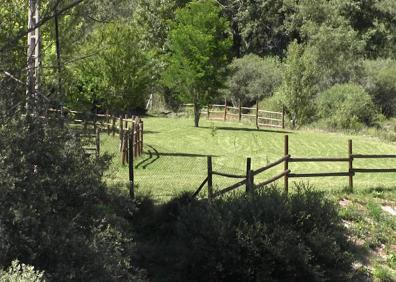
<point>249,129</point>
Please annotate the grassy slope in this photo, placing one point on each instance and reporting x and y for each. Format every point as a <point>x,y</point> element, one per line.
<point>175,160</point>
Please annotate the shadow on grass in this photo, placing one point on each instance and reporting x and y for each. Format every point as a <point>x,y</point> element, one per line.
<point>249,129</point>
<point>154,155</point>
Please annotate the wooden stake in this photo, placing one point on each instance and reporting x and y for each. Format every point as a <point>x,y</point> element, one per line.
<point>248,176</point>
<point>113,125</point>
<point>126,121</point>
<point>131,168</point>
<point>97,141</point>
<point>283,117</point>
<point>240,110</point>
<point>210,184</point>
<point>286,153</point>
<point>225,109</point>
<point>350,152</point>
<point>108,122</point>
<point>257,114</point>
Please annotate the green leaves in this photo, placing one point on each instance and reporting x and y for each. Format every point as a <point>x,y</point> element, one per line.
<point>198,45</point>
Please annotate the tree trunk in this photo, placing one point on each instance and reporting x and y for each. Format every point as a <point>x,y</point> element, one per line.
<point>196,114</point>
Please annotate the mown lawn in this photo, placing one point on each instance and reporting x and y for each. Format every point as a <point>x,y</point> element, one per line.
<point>175,155</point>
<point>175,160</point>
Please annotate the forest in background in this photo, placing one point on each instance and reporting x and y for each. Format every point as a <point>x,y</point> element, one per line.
<point>331,61</point>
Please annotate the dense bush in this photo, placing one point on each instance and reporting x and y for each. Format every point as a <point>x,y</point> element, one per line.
<point>264,237</point>
<point>252,78</point>
<point>380,82</point>
<point>346,106</point>
<point>54,210</point>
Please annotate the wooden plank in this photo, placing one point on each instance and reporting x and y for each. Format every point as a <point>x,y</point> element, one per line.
<point>230,188</point>
<point>246,108</point>
<point>275,178</point>
<point>270,112</point>
<point>273,119</point>
<point>298,160</point>
<point>361,156</point>
<point>228,175</point>
<point>248,115</point>
<point>271,165</point>
<point>374,170</point>
<point>200,187</point>
<point>322,174</point>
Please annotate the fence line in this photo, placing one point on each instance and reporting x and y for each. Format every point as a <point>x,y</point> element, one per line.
<point>123,126</point>
<point>248,178</point>
<point>263,118</point>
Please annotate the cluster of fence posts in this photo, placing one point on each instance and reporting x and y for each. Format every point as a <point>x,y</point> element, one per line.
<point>248,178</point>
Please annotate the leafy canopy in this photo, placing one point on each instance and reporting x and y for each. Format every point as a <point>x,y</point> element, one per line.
<point>198,44</point>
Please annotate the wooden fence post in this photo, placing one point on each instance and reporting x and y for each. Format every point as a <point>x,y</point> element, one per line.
<point>225,109</point>
<point>130,163</point>
<point>283,117</point>
<point>108,122</point>
<point>240,110</point>
<point>126,121</point>
<point>121,131</point>
<point>286,153</point>
<point>248,177</point>
<point>97,141</point>
<point>257,114</point>
<point>210,184</point>
<point>141,137</point>
<point>350,152</point>
<point>113,125</point>
<point>208,112</point>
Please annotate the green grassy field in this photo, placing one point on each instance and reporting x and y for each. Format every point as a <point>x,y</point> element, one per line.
<point>175,155</point>
<point>175,160</point>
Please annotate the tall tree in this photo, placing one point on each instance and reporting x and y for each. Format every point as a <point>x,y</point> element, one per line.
<point>198,44</point>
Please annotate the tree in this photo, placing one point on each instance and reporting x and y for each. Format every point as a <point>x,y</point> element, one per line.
<point>253,78</point>
<point>300,83</point>
<point>198,45</point>
<point>118,76</point>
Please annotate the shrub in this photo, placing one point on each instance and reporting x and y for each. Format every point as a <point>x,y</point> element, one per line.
<point>19,272</point>
<point>380,82</point>
<point>263,237</point>
<point>346,106</point>
<point>253,78</point>
<point>52,198</point>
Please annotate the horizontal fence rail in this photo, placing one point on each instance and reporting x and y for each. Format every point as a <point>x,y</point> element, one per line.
<point>286,173</point>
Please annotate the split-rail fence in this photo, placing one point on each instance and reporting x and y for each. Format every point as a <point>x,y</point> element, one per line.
<point>247,179</point>
<point>261,117</point>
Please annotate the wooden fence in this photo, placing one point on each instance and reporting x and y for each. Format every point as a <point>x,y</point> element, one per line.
<point>262,118</point>
<point>247,179</point>
<point>125,126</point>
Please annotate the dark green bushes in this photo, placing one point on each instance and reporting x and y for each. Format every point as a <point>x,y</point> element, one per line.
<point>346,106</point>
<point>55,211</point>
<point>264,237</point>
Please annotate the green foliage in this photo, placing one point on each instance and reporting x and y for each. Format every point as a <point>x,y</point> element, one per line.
<point>300,83</point>
<point>263,237</point>
<point>19,272</point>
<point>52,198</point>
<point>119,75</point>
<point>198,46</point>
<point>253,78</point>
<point>346,106</point>
<point>379,80</point>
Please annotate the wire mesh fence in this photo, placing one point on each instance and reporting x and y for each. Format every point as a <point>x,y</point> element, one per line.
<point>164,174</point>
